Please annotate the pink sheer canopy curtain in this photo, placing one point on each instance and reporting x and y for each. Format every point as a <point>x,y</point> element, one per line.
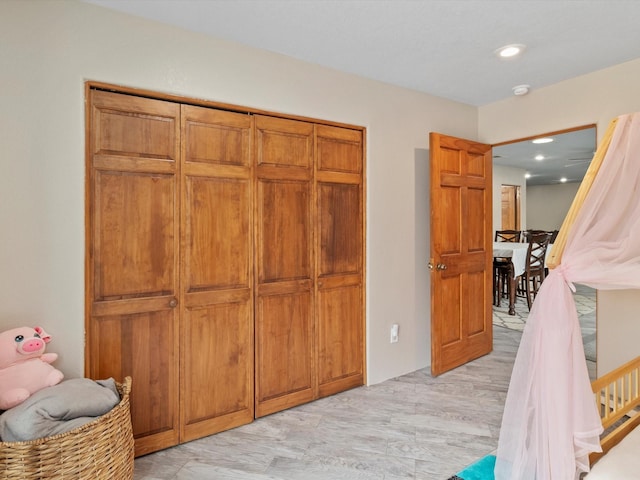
<point>550,422</point>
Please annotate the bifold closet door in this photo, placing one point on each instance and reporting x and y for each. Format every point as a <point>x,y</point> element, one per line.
<point>225,262</point>
<point>217,272</point>
<point>285,354</point>
<point>340,258</point>
<point>170,269</point>
<point>132,266</point>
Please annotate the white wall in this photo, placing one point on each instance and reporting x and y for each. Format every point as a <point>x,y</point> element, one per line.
<point>595,98</point>
<point>547,205</point>
<point>48,49</point>
<point>508,176</point>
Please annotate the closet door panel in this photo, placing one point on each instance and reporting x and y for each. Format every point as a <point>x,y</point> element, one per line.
<point>340,259</point>
<point>134,262</point>
<point>133,255</point>
<point>141,345</point>
<point>285,231</point>
<point>132,128</point>
<point>339,150</point>
<point>218,253</point>
<point>217,294</point>
<point>284,143</point>
<point>285,372</point>
<point>341,340</point>
<point>218,374</point>
<point>340,229</point>
<point>283,366</point>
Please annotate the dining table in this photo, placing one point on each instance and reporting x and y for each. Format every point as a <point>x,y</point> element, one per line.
<point>517,253</point>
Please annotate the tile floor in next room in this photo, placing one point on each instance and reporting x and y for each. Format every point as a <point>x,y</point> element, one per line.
<point>411,427</point>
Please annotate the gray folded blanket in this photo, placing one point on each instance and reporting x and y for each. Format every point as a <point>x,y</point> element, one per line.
<point>58,409</point>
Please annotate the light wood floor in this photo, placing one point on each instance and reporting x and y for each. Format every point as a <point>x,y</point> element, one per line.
<point>410,427</point>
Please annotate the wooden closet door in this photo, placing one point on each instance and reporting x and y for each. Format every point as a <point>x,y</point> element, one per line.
<point>285,372</point>
<point>340,259</point>
<point>132,257</point>
<point>217,278</point>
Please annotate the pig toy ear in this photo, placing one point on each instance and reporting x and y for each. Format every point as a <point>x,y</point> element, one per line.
<point>46,338</point>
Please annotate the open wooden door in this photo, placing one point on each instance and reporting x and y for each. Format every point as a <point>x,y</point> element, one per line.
<point>461,251</point>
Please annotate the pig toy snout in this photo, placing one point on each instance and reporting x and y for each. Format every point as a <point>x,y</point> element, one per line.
<point>30,345</point>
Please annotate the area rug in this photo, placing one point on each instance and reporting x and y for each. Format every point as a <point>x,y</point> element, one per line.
<point>480,470</point>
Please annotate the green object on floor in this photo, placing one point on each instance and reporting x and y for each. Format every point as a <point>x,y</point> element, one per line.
<point>481,470</point>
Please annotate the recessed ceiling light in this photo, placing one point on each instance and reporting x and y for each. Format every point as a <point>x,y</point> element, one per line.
<point>510,51</point>
<point>521,90</point>
<point>527,175</point>
<point>539,157</point>
<point>542,140</point>
<point>563,179</point>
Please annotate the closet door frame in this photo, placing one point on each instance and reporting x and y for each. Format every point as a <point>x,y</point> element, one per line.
<point>184,100</point>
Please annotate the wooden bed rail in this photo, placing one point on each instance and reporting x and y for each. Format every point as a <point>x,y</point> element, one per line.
<point>617,395</point>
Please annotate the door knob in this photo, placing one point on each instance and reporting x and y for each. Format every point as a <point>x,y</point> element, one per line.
<point>430,265</point>
<point>173,303</point>
<point>441,266</point>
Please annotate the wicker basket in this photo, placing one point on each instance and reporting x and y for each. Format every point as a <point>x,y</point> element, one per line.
<point>100,450</point>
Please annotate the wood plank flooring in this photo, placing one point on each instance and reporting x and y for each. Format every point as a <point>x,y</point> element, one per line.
<point>411,427</point>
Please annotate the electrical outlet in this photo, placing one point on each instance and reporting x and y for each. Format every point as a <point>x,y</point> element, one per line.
<point>394,333</point>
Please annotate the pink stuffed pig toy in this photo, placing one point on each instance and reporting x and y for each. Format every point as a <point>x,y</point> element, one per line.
<point>24,367</point>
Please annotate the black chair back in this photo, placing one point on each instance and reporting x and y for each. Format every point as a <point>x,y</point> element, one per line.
<point>535,272</point>
<point>507,236</point>
<point>527,234</point>
<point>537,252</point>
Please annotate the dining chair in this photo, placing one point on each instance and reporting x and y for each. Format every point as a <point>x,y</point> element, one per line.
<point>502,266</point>
<point>527,234</point>
<point>507,236</point>
<point>534,272</point>
<point>553,234</point>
